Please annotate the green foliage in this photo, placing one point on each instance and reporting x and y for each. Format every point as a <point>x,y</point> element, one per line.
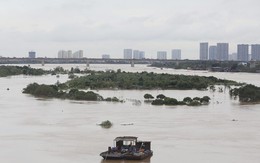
<point>106,124</point>
<point>17,70</point>
<point>170,101</point>
<point>196,99</point>
<point>75,94</point>
<point>42,90</point>
<point>205,99</point>
<point>226,66</point>
<point>194,103</point>
<point>144,80</point>
<point>161,96</point>
<point>212,88</point>
<point>186,101</point>
<point>54,91</point>
<point>247,93</point>
<point>157,102</point>
<point>113,99</point>
<point>59,70</point>
<point>72,76</point>
<point>148,96</point>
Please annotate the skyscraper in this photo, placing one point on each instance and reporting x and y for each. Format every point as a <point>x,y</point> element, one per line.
<point>213,53</point>
<point>105,56</point>
<point>161,55</point>
<point>32,54</point>
<point>136,54</point>
<point>176,54</point>
<point>242,52</point>
<point>78,54</point>
<point>255,52</point>
<point>222,51</point>
<point>128,53</point>
<point>62,54</point>
<point>69,54</point>
<point>141,54</point>
<point>204,50</point>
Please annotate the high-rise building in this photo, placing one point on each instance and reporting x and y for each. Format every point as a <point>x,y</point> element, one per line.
<point>32,54</point>
<point>222,51</point>
<point>204,50</point>
<point>128,53</point>
<point>62,54</point>
<point>213,53</point>
<point>255,52</point>
<point>161,55</point>
<point>69,54</point>
<point>243,52</point>
<point>141,54</point>
<point>78,54</point>
<point>105,56</point>
<point>138,54</point>
<point>176,54</point>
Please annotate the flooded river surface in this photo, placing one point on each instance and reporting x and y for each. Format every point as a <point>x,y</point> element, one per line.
<point>64,131</point>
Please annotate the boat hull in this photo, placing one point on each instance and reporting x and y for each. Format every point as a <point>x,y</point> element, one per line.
<point>126,156</point>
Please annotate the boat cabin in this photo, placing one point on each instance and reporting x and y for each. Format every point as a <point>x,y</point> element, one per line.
<point>124,143</point>
<point>127,147</point>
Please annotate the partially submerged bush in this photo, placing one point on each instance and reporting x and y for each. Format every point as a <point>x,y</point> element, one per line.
<point>106,124</point>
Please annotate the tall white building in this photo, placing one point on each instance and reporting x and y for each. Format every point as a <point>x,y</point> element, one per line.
<point>161,55</point>
<point>255,52</point>
<point>69,54</point>
<point>138,54</point>
<point>176,54</point>
<point>78,54</point>
<point>63,54</point>
<point>128,53</point>
<point>105,56</point>
<point>222,51</point>
<point>204,50</point>
<point>141,54</point>
<point>213,53</point>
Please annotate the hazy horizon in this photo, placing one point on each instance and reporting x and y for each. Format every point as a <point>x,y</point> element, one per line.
<point>101,27</point>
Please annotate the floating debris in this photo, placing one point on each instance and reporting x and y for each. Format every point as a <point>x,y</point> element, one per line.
<point>127,124</point>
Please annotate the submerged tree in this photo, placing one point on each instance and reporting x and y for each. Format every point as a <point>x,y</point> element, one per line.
<point>148,96</point>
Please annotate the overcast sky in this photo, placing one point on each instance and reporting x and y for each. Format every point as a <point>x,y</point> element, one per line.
<point>109,26</point>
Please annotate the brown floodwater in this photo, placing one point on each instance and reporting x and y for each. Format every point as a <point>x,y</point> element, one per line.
<point>64,131</point>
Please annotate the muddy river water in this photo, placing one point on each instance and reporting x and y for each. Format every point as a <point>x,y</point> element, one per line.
<point>64,131</point>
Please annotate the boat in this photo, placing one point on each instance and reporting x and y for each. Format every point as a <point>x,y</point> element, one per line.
<point>128,148</point>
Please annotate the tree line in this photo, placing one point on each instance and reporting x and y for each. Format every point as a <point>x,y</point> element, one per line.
<point>163,100</point>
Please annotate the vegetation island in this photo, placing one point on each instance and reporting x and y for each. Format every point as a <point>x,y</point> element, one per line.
<point>143,81</point>
<point>163,100</point>
<point>18,70</point>
<point>127,81</point>
<point>247,93</point>
<point>219,66</point>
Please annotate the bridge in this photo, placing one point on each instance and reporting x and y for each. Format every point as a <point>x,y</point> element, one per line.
<point>88,61</point>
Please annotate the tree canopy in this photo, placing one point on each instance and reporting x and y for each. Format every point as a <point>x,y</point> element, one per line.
<point>144,80</point>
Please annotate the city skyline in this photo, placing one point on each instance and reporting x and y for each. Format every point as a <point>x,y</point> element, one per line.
<point>150,25</point>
